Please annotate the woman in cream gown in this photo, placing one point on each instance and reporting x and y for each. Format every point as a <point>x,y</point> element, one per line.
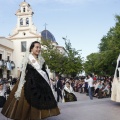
<point>115,96</point>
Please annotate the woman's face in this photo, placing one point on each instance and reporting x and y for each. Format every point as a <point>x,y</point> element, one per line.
<point>1,87</point>
<point>36,49</point>
<point>67,85</point>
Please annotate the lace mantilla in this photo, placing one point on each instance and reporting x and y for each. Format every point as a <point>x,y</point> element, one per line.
<point>23,72</point>
<point>117,68</point>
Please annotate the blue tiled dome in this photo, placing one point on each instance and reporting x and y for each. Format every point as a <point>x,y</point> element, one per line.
<point>48,35</point>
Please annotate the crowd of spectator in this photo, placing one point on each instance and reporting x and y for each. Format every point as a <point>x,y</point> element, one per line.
<point>101,85</point>
<point>6,85</point>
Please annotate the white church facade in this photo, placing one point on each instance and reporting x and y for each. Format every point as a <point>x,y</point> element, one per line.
<point>6,53</point>
<point>24,34</point>
<point>19,41</point>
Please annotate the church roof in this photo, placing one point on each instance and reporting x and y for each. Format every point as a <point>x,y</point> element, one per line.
<point>48,35</point>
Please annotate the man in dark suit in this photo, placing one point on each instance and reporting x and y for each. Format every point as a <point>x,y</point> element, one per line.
<point>58,88</point>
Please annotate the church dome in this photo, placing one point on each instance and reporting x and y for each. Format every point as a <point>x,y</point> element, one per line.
<point>48,35</point>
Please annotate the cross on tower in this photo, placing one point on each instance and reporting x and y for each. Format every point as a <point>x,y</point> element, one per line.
<point>45,25</point>
<point>45,31</point>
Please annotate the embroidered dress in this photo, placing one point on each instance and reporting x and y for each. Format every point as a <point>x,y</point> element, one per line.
<point>36,99</point>
<point>69,95</point>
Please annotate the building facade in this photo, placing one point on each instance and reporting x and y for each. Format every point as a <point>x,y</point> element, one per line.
<point>23,35</point>
<point>20,39</point>
<point>6,54</point>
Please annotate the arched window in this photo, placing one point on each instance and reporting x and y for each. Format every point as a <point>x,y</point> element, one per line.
<point>21,21</point>
<point>23,9</point>
<point>27,21</point>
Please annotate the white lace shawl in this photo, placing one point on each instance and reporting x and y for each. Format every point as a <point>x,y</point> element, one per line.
<point>117,68</point>
<point>23,72</point>
<point>70,90</point>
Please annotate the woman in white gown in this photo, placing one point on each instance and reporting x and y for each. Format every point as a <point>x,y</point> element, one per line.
<point>115,96</point>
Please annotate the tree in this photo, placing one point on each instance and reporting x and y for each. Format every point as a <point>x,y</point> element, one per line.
<point>74,61</point>
<point>67,64</point>
<point>93,63</point>
<point>109,49</point>
<point>53,57</point>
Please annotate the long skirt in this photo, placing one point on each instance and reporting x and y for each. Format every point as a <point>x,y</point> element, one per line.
<point>70,97</point>
<point>115,96</point>
<point>22,110</point>
<point>2,101</point>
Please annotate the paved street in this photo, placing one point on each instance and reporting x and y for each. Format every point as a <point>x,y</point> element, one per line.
<point>84,109</point>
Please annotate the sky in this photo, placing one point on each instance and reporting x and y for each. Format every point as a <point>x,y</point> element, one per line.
<point>83,22</point>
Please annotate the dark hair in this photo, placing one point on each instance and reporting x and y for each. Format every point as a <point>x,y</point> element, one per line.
<point>90,75</point>
<point>32,45</point>
<point>68,82</point>
<point>57,75</point>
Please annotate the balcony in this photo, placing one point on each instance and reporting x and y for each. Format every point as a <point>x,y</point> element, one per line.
<point>8,65</point>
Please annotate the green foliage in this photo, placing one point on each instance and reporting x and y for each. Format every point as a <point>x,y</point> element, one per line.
<point>74,60</point>
<point>52,56</point>
<point>69,63</point>
<point>104,62</point>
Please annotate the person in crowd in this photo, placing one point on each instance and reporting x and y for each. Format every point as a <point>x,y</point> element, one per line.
<point>90,85</point>
<point>79,86</point>
<point>2,95</point>
<point>76,85</point>
<point>95,78</point>
<point>110,84</point>
<point>86,88</point>
<point>8,90</point>
<point>83,87</point>
<point>72,83</point>
<point>96,88</point>
<point>68,93</point>
<point>63,83</point>
<point>32,97</point>
<point>106,90</point>
<point>100,88</point>
<point>58,88</point>
<point>53,84</point>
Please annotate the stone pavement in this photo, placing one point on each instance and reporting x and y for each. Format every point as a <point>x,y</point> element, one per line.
<point>86,109</point>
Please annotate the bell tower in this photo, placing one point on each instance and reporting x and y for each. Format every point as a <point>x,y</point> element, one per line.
<point>25,27</point>
<point>23,34</point>
<point>24,16</point>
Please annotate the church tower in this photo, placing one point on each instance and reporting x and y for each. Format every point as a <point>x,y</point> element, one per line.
<point>25,27</point>
<point>24,34</point>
